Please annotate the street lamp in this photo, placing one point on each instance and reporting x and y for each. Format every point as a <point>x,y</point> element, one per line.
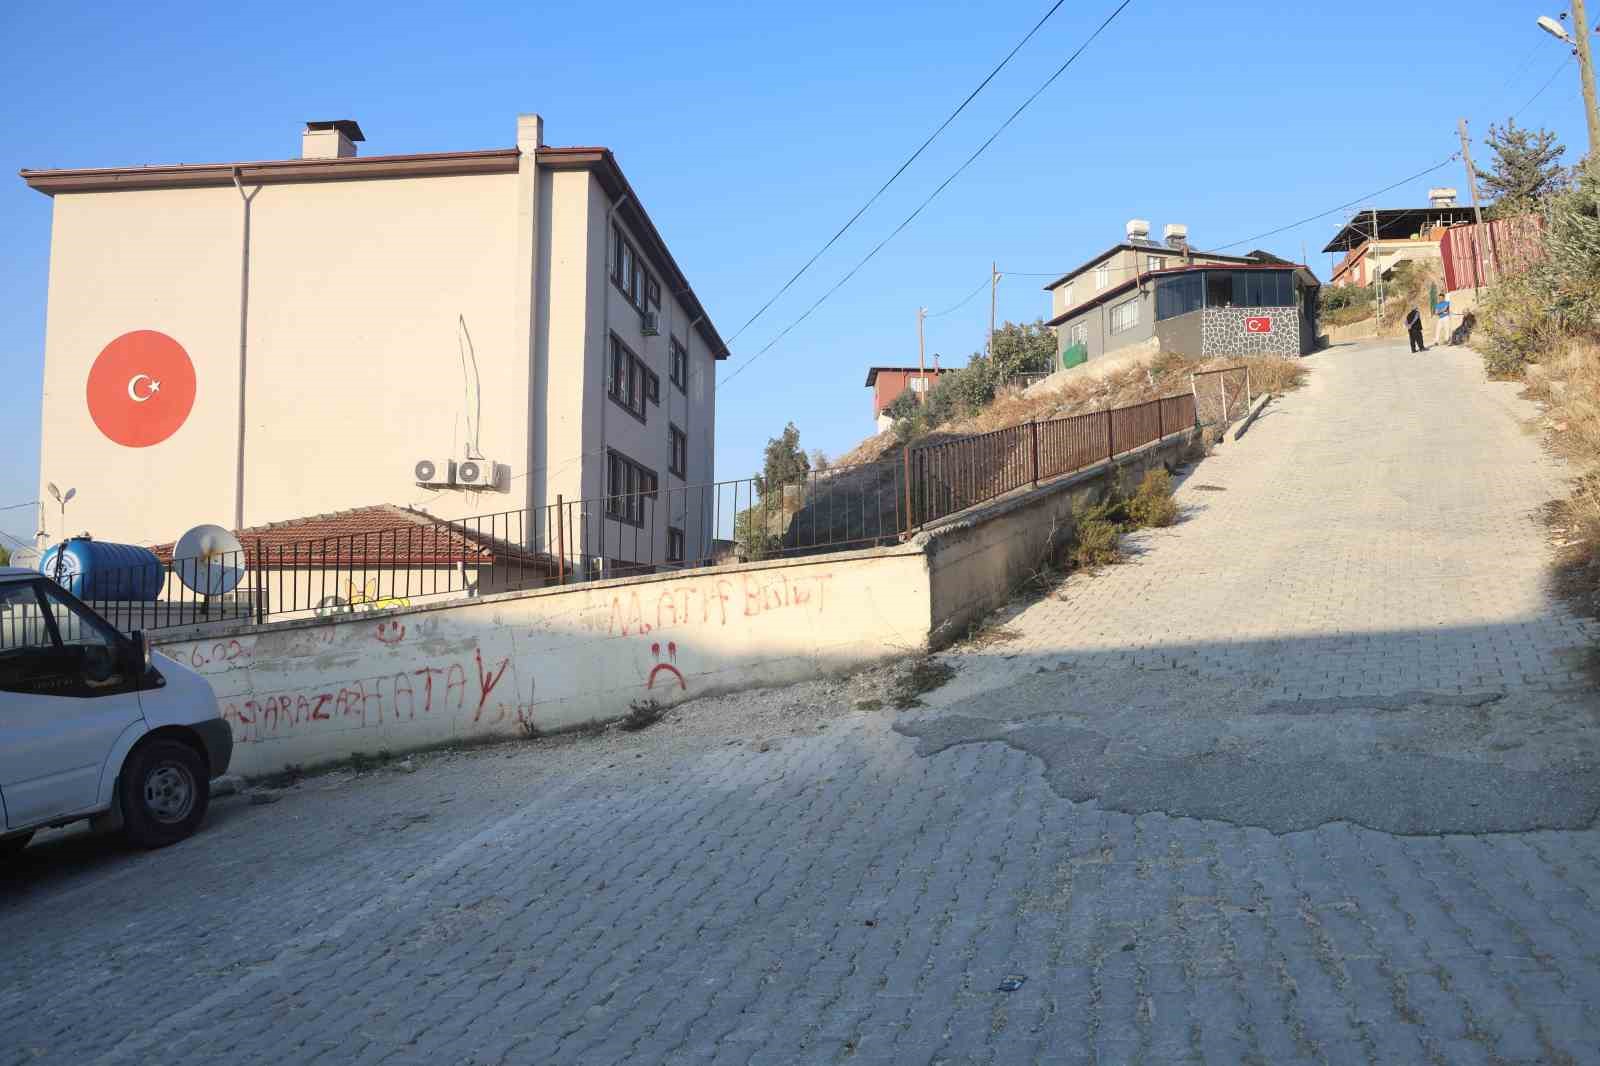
<point>1580,43</point>
<point>63,499</point>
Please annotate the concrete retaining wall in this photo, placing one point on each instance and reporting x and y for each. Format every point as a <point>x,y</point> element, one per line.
<point>308,692</point>
<point>977,560</point>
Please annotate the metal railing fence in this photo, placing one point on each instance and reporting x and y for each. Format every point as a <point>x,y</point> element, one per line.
<point>665,527</point>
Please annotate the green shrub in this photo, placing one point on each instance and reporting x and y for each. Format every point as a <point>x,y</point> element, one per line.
<point>1097,532</point>
<point>1152,504</point>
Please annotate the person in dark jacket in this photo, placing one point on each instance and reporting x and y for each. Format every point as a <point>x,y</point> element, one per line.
<point>1414,329</point>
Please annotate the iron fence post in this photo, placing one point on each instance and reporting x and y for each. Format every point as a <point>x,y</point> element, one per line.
<point>1033,433</point>
<point>1161,422</point>
<point>261,588</point>
<point>905,459</point>
<point>561,541</point>
<point>1111,441</point>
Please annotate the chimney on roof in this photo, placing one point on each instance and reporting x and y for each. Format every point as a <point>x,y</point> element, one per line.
<point>1138,230</point>
<point>330,139</point>
<point>1176,236</point>
<point>1445,197</point>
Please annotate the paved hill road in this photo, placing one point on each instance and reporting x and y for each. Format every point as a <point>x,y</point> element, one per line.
<point>1168,805</point>
<point>1355,602</point>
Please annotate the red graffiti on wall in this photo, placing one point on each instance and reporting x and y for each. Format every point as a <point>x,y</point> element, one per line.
<point>364,701</point>
<point>644,610</point>
<point>668,667</point>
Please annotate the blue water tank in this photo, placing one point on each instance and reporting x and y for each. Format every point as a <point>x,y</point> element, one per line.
<point>98,570</point>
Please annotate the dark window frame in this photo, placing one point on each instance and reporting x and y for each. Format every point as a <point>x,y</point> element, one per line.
<point>678,364</point>
<point>632,275</point>
<point>678,451</point>
<point>1181,294</point>
<point>628,381</point>
<point>675,544</point>
<point>628,484</point>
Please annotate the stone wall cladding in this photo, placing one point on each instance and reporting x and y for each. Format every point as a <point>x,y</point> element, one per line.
<point>1222,331</point>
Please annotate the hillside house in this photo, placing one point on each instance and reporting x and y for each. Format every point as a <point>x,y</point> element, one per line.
<point>1141,296</point>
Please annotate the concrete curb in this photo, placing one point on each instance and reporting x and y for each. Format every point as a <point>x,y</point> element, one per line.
<point>1255,409</point>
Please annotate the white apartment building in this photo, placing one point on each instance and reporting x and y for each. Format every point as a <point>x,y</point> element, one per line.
<point>244,343</point>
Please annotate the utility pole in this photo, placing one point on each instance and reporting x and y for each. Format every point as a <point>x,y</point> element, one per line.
<point>1580,21</point>
<point>994,285</point>
<point>1377,267</point>
<point>922,365</point>
<point>1477,212</point>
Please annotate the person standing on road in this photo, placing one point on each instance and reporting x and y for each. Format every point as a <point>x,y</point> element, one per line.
<point>1441,322</point>
<point>1414,330</point>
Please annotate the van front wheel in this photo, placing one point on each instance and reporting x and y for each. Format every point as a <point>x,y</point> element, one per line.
<point>165,793</point>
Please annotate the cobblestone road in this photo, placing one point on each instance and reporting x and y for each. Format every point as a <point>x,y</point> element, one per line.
<point>836,891</point>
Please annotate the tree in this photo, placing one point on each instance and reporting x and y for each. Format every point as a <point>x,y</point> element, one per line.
<point>758,530</point>
<point>1022,348</point>
<point>1526,167</point>
<point>786,462</point>
<point>5,555</point>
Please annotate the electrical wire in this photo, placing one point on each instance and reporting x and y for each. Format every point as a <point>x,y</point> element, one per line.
<point>19,506</point>
<point>1344,206</point>
<point>982,285</point>
<point>1062,69</point>
<point>1548,82</point>
<point>901,170</point>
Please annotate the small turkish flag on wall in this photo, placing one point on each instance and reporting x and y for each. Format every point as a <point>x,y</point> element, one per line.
<point>1258,325</point>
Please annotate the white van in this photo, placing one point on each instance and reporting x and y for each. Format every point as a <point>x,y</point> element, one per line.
<point>91,728</point>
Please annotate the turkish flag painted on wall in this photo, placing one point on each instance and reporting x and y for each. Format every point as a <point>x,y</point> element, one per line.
<point>1258,325</point>
<point>141,388</point>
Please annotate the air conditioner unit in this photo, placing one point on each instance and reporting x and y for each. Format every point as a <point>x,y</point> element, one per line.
<point>477,473</point>
<point>434,472</point>
<point>650,323</point>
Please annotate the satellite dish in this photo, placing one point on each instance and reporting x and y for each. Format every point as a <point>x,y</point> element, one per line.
<point>209,560</point>
<point>26,558</point>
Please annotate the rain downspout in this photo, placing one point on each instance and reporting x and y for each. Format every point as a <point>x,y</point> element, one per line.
<point>244,326</point>
<point>605,351</point>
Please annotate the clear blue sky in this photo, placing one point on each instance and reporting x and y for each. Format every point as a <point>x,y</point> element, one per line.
<point>752,131</point>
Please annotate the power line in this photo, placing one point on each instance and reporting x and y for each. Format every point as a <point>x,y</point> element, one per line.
<point>1548,82</point>
<point>19,506</point>
<point>981,286</point>
<point>901,170</point>
<point>1344,206</point>
<point>1062,69</point>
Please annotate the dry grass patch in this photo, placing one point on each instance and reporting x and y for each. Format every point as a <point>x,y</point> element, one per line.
<point>1164,374</point>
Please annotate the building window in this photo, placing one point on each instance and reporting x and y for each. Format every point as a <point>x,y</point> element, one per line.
<point>1066,298</point>
<point>1125,315</point>
<point>628,486</point>
<point>918,384</point>
<point>631,277</point>
<point>1078,333</point>
<point>631,383</point>
<point>679,462</point>
<point>1102,276</point>
<point>1249,288</point>
<point>674,544</point>
<point>678,364</point>
<point>1155,262</point>
<point>1179,295</point>
<point>1219,288</point>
